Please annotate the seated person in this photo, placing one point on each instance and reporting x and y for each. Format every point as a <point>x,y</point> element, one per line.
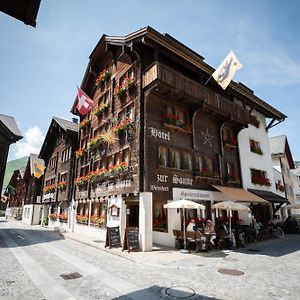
<point>192,226</point>
<point>239,232</point>
<point>210,230</point>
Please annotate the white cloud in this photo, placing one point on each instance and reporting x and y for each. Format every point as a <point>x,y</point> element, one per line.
<point>31,143</point>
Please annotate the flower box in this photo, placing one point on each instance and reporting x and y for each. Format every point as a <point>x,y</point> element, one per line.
<point>53,217</point>
<point>122,126</point>
<point>103,76</point>
<point>176,128</point>
<point>82,219</point>
<point>97,175</point>
<point>261,180</point>
<point>209,174</point>
<point>256,150</point>
<point>62,185</point>
<point>80,152</point>
<point>101,109</point>
<point>81,181</point>
<point>63,217</point>
<point>49,188</point>
<point>84,123</point>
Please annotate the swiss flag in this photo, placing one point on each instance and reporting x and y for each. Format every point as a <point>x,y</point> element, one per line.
<point>85,103</point>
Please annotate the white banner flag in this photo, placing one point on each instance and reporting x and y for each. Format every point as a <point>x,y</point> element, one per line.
<point>225,72</point>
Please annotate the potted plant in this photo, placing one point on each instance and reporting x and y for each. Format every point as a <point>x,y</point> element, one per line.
<point>63,217</point>
<point>53,216</point>
<point>80,181</point>
<point>80,152</point>
<point>103,76</point>
<point>62,185</point>
<point>84,123</point>
<point>49,188</point>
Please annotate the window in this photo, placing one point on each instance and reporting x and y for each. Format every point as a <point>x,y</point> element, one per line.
<point>255,147</point>
<point>126,155</point>
<point>259,177</point>
<point>163,155</point>
<point>63,177</point>
<point>118,158</point>
<point>159,216</point>
<point>175,116</point>
<point>52,163</point>
<point>175,158</point>
<point>66,154</point>
<point>228,136</point>
<point>209,164</point>
<point>199,163</point>
<point>187,161</point>
<point>231,173</point>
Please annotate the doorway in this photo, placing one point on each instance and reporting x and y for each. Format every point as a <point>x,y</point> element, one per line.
<point>132,214</point>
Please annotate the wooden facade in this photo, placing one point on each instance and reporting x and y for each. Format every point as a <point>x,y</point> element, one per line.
<point>167,128</point>
<point>58,153</point>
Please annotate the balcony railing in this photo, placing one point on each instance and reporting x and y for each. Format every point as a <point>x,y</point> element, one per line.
<point>181,83</point>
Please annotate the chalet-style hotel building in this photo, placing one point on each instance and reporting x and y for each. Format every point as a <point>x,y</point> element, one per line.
<point>157,131</point>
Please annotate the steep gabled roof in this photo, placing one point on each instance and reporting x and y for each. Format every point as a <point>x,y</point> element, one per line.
<point>10,128</point>
<point>280,147</point>
<point>69,127</point>
<point>148,35</point>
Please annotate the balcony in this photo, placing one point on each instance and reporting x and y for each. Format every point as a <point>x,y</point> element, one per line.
<point>183,85</point>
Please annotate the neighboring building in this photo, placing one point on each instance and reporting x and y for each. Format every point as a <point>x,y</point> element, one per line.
<point>295,175</point>
<point>32,209</point>
<point>256,160</point>
<point>282,161</point>
<point>16,198</point>
<point>9,134</point>
<point>11,166</point>
<point>58,153</point>
<point>23,10</point>
<point>156,133</point>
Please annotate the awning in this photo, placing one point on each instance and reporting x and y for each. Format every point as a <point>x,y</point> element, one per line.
<point>269,196</point>
<point>240,195</point>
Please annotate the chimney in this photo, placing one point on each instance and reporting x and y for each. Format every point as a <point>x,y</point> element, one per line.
<point>75,120</point>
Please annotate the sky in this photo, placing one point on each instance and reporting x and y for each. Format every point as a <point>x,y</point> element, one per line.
<point>40,67</point>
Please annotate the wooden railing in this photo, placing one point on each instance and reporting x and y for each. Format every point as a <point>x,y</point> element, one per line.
<point>181,83</point>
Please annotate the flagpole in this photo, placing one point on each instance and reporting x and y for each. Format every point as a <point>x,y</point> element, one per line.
<point>207,80</point>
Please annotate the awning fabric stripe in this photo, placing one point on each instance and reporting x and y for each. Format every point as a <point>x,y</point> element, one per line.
<point>240,195</point>
<point>269,196</point>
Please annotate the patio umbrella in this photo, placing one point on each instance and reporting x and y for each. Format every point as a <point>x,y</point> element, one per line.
<point>184,204</point>
<point>230,205</point>
<point>293,206</point>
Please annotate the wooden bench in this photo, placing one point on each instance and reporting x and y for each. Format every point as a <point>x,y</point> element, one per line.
<point>191,237</point>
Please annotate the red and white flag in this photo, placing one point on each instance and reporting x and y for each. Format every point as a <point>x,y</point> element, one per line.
<point>85,103</point>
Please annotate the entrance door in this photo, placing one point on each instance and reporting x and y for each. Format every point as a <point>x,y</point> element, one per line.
<point>132,214</point>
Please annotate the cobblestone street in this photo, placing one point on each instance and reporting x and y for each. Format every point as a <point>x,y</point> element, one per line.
<point>33,260</point>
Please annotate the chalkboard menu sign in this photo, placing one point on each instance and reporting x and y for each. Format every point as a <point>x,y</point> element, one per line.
<point>131,239</point>
<point>112,237</point>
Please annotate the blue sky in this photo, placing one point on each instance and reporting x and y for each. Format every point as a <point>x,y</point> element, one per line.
<point>40,67</point>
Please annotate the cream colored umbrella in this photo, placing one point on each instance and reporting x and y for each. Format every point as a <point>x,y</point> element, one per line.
<point>184,204</point>
<point>230,205</point>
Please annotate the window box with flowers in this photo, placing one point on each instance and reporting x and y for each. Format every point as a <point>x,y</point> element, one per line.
<point>118,169</point>
<point>97,175</point>
<point>95,142</point>
<point>53,216</point>
<point>84,123</point>
<point>260,180</point>
<point>101,109</point>
<point>127,85</point>
<point>62,185</point>
<point>63,217</point>
<point>81,181</point>
<point>230,142</point>
<point>103,76</point>
<point>279,187</point>
<point>82,219</point>
<point>80,152</point>
<point>209,173</point>
<point>49,188</point>
<point>122,126</point>
<point>174,122</point>
<point>233,176</point>
<point>98,221</point>
<point>159,224</point>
